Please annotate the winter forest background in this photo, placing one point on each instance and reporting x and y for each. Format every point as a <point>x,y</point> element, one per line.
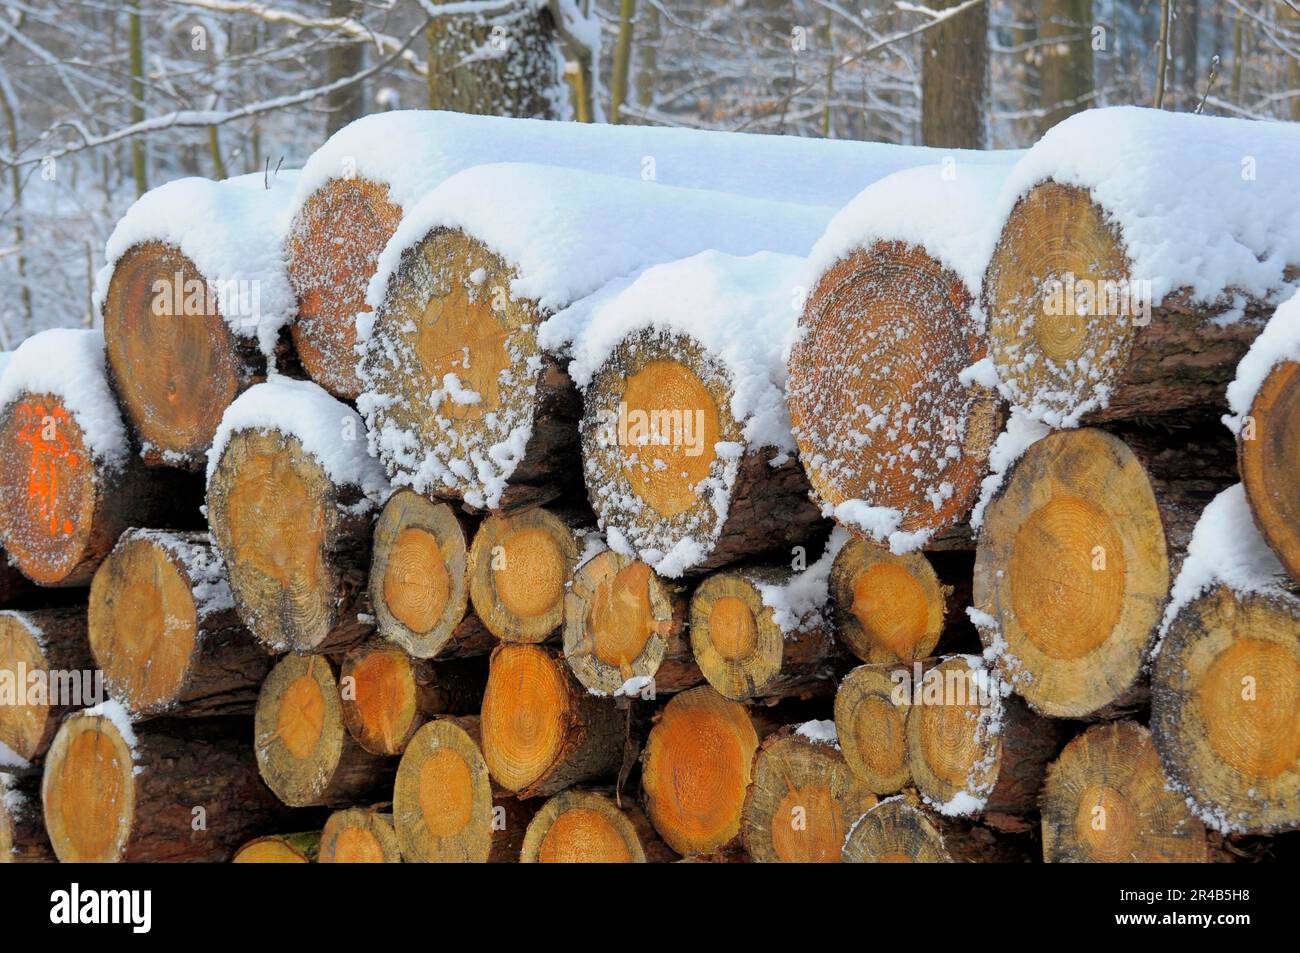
<point>102,99</point>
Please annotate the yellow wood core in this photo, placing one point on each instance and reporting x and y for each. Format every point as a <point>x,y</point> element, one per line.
<point>356,845</point>
<point>880,732</point>
<point>416,583</point>
<point>891,607</point>
<point>446,793</point>
<point>525,715</point>
<point>269,850</point>
<point>1106,824</point>
<point>22,727</point>
<point>582,835</point>
<point>619,615</point>
<point>90,792</point>
<point>808,827</point>
<point>1270,459</point>
<point>668,443</point>
<point>275,521</point>
<point>1068,577</point>
<point>1250,700</point>
<point>733,629</point>
<point>949,740</point>
<point>302,717</point>
<point>384,683</point>
<point>531,579</point>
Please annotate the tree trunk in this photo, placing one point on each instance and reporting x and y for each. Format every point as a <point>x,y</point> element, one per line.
<point>1065,74</point>
<point>344,58</point>
<point>359,835</point>
<point>22,829</point>
<point>871,712</point>
<point>45,673</point>
<point>955,79</point>
<point>898,831</point>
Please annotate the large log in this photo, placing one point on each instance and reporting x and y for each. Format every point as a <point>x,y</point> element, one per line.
<point>1105,800</point>
<point>1268,454</point>
<point>445,807</point>
<point>193,295</point>
<point>887,608</point>
<point>359,835</point>
<point>46,672</point>
<point>590,827</point>
<point>871,710</point>
<point>541,730</point>
<point>291,497</point>
<point>111,793</point>
<point>304,752</point>
<point>69,482</point>
<point>164,630</point>
<point>624,629</point>
<point>419,586</point>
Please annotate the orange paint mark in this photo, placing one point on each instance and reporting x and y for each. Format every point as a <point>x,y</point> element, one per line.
<point>43,431</point>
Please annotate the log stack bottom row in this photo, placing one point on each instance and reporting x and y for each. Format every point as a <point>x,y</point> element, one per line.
<point>600,541</point>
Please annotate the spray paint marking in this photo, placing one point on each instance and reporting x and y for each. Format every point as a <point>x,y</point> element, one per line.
<point>44,433</point>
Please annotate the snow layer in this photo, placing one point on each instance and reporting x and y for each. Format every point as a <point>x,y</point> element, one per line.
<point>327,428</point>
<point>233,231</point>
<point>414,151</point>
<point>1278,343</point>
<point>799,603</point>
<point>115,712</point>
<point>567,232</point>
<point>819,732</point>
<point>69,363</point>
<point>1020,432</point>
<point>947,209</point>
<point>1201,202</point>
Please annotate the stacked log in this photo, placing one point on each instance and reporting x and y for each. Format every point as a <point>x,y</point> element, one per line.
<point>888,608</point>
<point>46,673</point>
<point>359,835</point>
<point>589,827</point>
<point>301,848</point>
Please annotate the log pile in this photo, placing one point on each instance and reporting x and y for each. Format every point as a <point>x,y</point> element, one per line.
<point>655,522</point>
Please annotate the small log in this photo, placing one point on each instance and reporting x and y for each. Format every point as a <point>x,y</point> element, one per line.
<point>881,414</point>
<point>654,415</point>
<point>887,608</point>
<point>304,752</point>
<point>301,848</point>
<point>359,835</point>
<point>895,832</point>
<point>387,695</point>
<point>871,710</point>
<point>46,673</point>
<point>114,794</point>
<point>22,828</point>
<point>1268,455</point>
<point>164,630</point>
<point>419,586</point>
<point>803,802</point>
<point>445,808</point>
<point>1105,800</point>
<point>695,769</point>
<point>1224,694</point>
<point>541,731</point>
<point>746,650</point>
<point>623,622</point>
<point>587,827</point>
<point>520,566</point>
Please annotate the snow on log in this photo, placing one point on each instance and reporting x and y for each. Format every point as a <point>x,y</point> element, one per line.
<point>624,629</point>
<point>891,395</point>
<point>1074,560</point>
<point>588,827</point>
<point>69,484</point>
<point>419,586</point>
<point>687,452</point>
<point>304,752</point>
<point>871,724</point>
<point>22,829</point>
<point>359,835</point>
<point>695,769</point>
<point>111,793</point>
<point>355,189</point>
<point>164,630</point>
<point>193,296</point>
<point>461,397</point>
<point>1105,800</point>
<point>1225,684</point>
<point>1129,280</point>
<point>887,608</point>
<point>46,672</point>
<point>445,807</point>
<point>1264,401</point>
<point>804,799</point>
<point>761,633</point>
<point>292,495</point>
<point>387,695</point>
<point>520,567</point>
<point>300,848</point>
<point>541,730</point>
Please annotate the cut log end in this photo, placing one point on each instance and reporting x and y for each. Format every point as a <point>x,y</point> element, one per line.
<point>280,849</point>
<point>894,832</point>
<point>1072,562</point>
<point>175,369</point>
<point>442,800</point>
<point>879,413</point>
<point>889,608</point>
<point>520,565</point>
<point>332,249</point>
<point>1105,800</point>
<point>619,618</point>
<point>89,791</point>
<point>1225,692</point>
<point>359,836</point>
<point>802,804</point>
<point>871,724</point>
<point>696,768</point>
<point>1269,459</point>
<point>583,828</point>
<point>381,700</point>
<point>25,729</point>
<point>954,743</point>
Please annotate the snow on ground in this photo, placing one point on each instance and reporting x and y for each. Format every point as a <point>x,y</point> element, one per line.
<point>1278,343</point>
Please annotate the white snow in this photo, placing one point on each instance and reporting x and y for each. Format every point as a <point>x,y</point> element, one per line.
<point>9,758</point>
<point>1022,430</point>
<point>1226,549</point>
<point>819,732</point>
<point>797,605</point>
<point>1201,202</point>
<point>233,231</point>
<point>203,564</point>
<point>328,429</point>
<point>115,712</point>
<point>69,363</point>
<point>1278,343</point>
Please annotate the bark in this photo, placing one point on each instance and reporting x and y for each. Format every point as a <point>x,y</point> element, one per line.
<point>955,79</point>
<point>22,829</point>
<point>1065,74</point>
